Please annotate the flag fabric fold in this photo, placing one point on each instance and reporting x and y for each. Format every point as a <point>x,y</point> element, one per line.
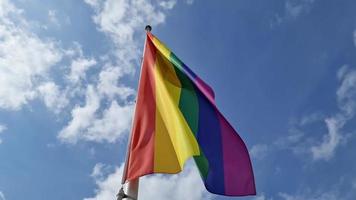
<point>176,118</point>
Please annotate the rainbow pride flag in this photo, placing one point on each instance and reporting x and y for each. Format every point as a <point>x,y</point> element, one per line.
<point>176,118</point>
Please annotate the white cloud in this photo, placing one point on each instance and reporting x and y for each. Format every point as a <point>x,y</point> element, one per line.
<point>2,196</point>
<point>2,129</point>
<point>79,67</point>
<point>354,184</point>
<point>25,59</point>
<point>99,171</point>
<point>116,120</point>
<point>261,197</point>
<point>294,141</point>
<point>108,84</point>
<point>94,122</point>
<point>168,4</point>
<point>26,62</point>
<point>354,37</point>
<point>124,22</point>
<point>56,19</point>
<point>186,185</point>
<point>53,97</point>
<point>326,147</point>
<point>346,96</point>
<point>330,195</point>
<point>93,3</point>
<point>108,187</point>
<point>52,17</point>
<point>121,21</point>
<point>309,119</point>
<point>346,93</point>
<point>330,142</point>
<point>259,151</point>
<point>6,8</point>
<point>82,117</point>
<point>86,124</point>
<point>341,189</point>
<point>189,2</point>
<point>294,8</point>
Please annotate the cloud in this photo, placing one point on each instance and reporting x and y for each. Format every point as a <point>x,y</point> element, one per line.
<point>295,141</point>
<point>56,19</point>
<point>336,191</point>
<point>100,171</point>
<point>330,142</point>
<point>25,59</point>
<point>346,93</point>
<point>121,21</point>
<point>93,3</point>
<point>26,63</point>
<point>7,8</point>
<point>93,121</point>
<point>186,185</point>
<point>107,187</point>
<point>2,129</point>
<point>168,4</point>
<point>106,114</point>
<point>341,189</point>
<point>346,97</point>
<point>53,97</point>
<point>189,2</point>
<point>2,196</point>
<point>82,117</point>
<point>124,21</point>
<point>52,17</point>
<point>309,119</point>
<point>259,151</point>
<point>354,184</point>
<point>97,170</point>
<point>261,197</point>
<point>294,8</point>
<point>86,124</point>
<point>354,37</point>
<point>317,196</point>
<point>108,84</point>
<point>326,147</point>
<point>79,67</point>
<point>116,121</point>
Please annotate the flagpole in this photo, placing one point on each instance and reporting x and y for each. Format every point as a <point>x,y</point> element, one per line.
<point>132,185</point>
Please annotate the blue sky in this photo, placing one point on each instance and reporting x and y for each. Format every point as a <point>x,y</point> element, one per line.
<point>284,74</point>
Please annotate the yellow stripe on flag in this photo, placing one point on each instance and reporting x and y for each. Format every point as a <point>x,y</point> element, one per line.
<point>171,121</point>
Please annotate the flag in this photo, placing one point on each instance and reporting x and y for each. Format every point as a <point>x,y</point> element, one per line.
<point>176,118</point>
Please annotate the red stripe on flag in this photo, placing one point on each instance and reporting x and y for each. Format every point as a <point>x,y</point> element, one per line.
<point>142,136</point>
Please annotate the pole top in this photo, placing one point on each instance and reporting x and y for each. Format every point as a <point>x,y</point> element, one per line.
<point>148,28</point>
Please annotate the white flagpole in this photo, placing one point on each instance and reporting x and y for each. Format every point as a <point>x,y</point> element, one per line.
<point>132,189</point>
<point>132,185</point>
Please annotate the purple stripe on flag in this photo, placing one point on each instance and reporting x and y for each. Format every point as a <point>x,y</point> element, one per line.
<point>205,89</point>
<point>238,174</point>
